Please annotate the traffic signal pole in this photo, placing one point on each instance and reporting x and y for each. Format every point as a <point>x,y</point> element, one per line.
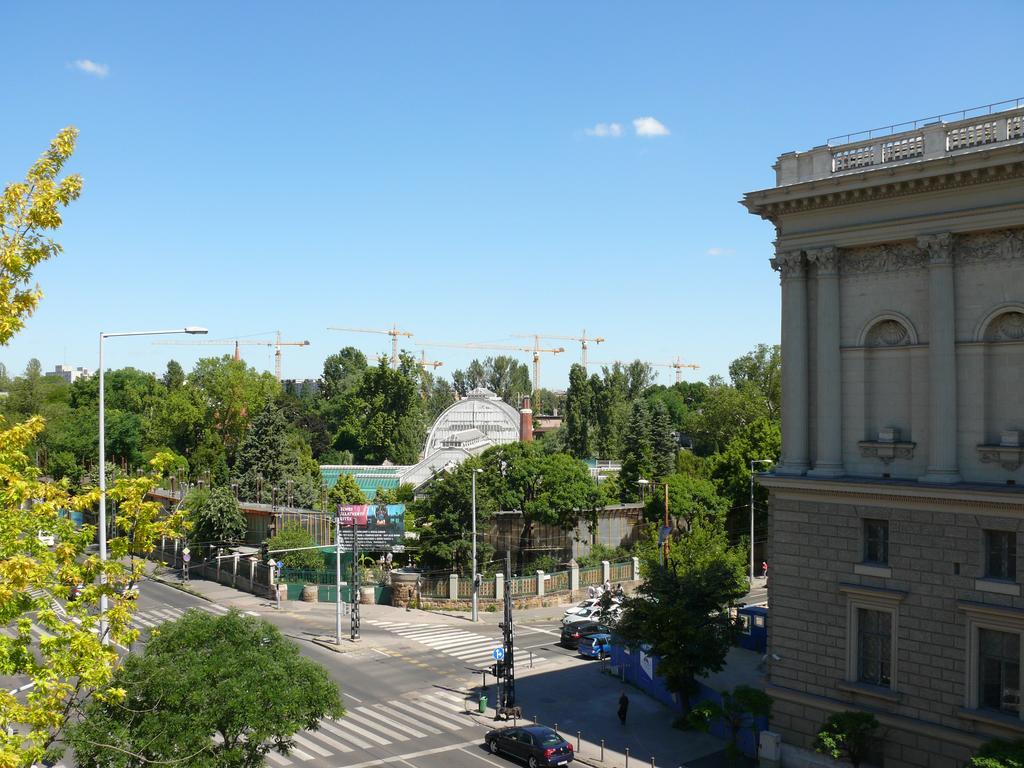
<point>354,618</point>
<point>337,576</point>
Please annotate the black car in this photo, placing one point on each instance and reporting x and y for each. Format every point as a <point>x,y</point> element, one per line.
<point>571,633</point>
<point>535,744</point>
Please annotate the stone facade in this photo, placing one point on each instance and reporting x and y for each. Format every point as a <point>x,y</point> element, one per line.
<point>897,507</point>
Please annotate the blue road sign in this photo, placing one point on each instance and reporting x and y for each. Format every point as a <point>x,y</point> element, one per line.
<point>499,654</point>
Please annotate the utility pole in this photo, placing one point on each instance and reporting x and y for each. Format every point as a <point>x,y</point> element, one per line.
<point>475,613</point>
<point>665,552</point>
<point>507,687</point>
<point>354,620</point>
<point>752,463</point>
<point>337,575</point>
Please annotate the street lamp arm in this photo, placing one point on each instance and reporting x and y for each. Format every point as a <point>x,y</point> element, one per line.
<point>192,329</point>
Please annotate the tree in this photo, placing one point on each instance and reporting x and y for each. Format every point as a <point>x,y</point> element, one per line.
<point>688,497</point>
<point>578,406</point>
<point>292,536</point>
<point>346,491</point>
<point>270,457</point>
<point>1000,753</point>
<point>209,691</point>
<point>737,707</point>
<point>508,378</point>
<point>638,458</point>
<point>663,442</point>
<point>680,612</point>
<point>215,516</point>
<point>231,392</point>
<point>28,210</point>
<point>174,376</point>
<point>761,368</point>
<point>847,735</point>
<point>342,372</point>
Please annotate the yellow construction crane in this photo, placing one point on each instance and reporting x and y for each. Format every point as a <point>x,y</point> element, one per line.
<point>584,340</point>
<point>423,362</point>
<point>677,363</point>
<point>535,350</point>
<point>393,332</point>
<point>275,343</point>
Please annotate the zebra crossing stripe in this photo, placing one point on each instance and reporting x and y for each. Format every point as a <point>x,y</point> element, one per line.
<point>274,757</point>
<point>328,740</point>
<point>295,751</point>
<point>367,712</point>
<point>406,718</point>
<point>347,725</point>
<point>298,738</point>
<point>420,633</point>
<point>475,651</point>
<point>432,717</point>
<point>463,643</point>
<point>334,727</point>
<point>446,709</point>
<point>372,724</point>
<point>454,697</point>
<point>214,608</point>
<point>138,620</point>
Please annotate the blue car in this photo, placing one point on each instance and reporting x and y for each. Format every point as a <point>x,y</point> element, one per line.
<point>596,646</point>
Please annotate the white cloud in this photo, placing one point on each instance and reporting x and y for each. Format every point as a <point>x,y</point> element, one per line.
<point>648,126</point>
<point>719,251</point>
<point>605,130</point>
<point>91,67</point>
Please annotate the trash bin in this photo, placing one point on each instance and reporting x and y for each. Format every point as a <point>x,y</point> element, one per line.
<point>483,703</point>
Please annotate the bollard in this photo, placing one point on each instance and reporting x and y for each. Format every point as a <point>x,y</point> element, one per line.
<point>556,728</point>
<point>602,750</point>
<point>531,659</point>
<point>577,742</point>
<point>627,757</point>
<point>652,762</point>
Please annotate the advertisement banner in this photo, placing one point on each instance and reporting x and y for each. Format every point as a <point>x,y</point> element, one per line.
<point>380,527</point>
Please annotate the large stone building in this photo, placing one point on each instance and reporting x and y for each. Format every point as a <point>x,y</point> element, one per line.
<point>897,507</point>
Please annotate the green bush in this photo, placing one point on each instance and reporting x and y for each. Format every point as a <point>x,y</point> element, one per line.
<point>847,735</point>
<point>294,535</point>
<point>600,552</point>
<point>1000,754</point>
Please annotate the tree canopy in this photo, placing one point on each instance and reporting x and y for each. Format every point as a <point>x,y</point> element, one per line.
<point>208,691</point>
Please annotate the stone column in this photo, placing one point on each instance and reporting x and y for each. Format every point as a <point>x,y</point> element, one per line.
<point>828,363</point>
<point>453,586</point>
<point>574,578</point>
<point>499,587</point>
<point>942,416</point>
<point>606,571</point>
<point>793,274</point>
<point>540,583</point>
<point>636,569</point>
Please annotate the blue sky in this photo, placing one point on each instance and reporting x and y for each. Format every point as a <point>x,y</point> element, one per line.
<point>261,166</point>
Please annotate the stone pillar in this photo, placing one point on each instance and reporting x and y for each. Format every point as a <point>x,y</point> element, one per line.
<point>574,577</point>
<point>636,569</point>
<point>942,402</point>
<point>252,575</point>
<point>234,572</point>
<point>828,365</point>
<point>606,571</point>
<point>792,271</point>
<point>453,586</point>
<point>540,583</point>
<point>499,587</point>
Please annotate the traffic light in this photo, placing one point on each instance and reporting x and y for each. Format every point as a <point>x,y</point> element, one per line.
<point>498,669</point>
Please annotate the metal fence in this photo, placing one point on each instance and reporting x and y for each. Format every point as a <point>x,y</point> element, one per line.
<point>590,576</point>
<point>621,572</point>
<point>559,582</point>
<point>521,586</point>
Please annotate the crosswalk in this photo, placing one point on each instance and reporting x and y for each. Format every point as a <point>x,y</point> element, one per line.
<point>470,647</point>
<point>154,617</point>
<point>379,725</point>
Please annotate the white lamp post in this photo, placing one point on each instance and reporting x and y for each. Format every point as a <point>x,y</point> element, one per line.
<point>103,461</point>
<point>752,463</point>
<point>475,616</point>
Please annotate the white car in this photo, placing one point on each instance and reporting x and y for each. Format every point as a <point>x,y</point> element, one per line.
<point>593,613</point>
<point>46,539</point>
<point>590,603</point>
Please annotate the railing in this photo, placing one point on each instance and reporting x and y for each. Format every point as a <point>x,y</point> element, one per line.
<point>465,589</point>
<point>487,589</point>
<point>434,587</point>
<point>621,572</point>
<point>520,586</point>
<point>559,582</point>
<point>590,576</point>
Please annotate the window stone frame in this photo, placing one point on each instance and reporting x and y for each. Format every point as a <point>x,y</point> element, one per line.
<point>884,600</point>
<point>999,619</point>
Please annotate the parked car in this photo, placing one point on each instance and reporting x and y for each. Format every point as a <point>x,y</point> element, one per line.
<point>591,614</point>
<point>75,591</point>
<point>596,646</point>
<point>46,539</point>
<point>536,745</point>
<point>592,602</point>
<point>571,633</point>
<point>129,592</point>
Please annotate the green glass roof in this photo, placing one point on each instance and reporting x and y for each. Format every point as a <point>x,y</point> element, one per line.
<point>368,478</point>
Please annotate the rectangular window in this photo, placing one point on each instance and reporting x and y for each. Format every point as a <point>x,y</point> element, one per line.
<point>874,647</point>
<point>1001,555</point>
<point>999,671</point>
<point>876,541</point>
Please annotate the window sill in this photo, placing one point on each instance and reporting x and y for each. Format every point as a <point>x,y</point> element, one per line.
<point>875,692</point>
<point>867,569</point>
<point>1007,722</point>
<point>997,587</point>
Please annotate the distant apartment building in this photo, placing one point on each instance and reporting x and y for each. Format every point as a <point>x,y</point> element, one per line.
<point>70,375</point>
<point>897,509</point>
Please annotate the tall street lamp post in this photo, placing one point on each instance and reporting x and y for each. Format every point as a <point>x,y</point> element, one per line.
<point>103,461</point>
<point>475,616</point>
<point>752,463</point>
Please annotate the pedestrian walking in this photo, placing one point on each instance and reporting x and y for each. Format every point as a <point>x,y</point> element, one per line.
<point>607,585</point>
<point>623,707</point>
<point>764,569</point>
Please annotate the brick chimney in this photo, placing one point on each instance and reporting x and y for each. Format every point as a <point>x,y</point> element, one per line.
<point>526,422</point>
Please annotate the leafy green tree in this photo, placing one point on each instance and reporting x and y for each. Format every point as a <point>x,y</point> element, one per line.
<point>847,736</point>
<point>342,373</point>
<point>231,392</point>
<point>346,491</point>
<point>680,612</point>
<point>291,536</point>
<point>1000,753</point>
<point>507,377</point>
<point>730,469</point>
<point>269,458</point>
<point>444,518</point>
<point>761,369</point>
<point>688,497</point>
<point>738,708</point>
<point>663,442</point>
<point>440,395</point>
<point>209,691</point>
<point>215,515</point>
<point>30,209</point>
<point>174,376</point>
<point>578,416</point>
<point>638,458</point>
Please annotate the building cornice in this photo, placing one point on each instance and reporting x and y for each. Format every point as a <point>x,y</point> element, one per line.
<point>957,498</point>
<point>883,183</point>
